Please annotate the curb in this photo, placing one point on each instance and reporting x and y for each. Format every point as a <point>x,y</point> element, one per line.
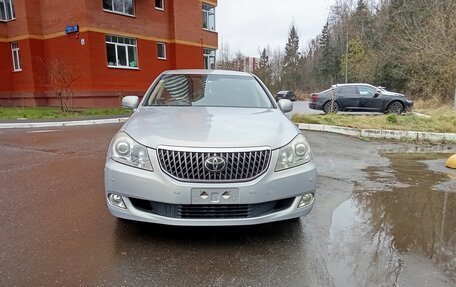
<point>421,115</point>
<point>381,134</point>
<point>61,124</point>
<point>368,133</point>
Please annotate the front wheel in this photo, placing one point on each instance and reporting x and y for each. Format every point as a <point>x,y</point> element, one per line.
<point>395,108</point>
<point>329,108</point>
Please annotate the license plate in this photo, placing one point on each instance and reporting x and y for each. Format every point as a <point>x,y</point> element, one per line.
<point>215,196</point>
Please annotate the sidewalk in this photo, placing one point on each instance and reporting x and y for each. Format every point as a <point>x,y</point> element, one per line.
<point>382,134</point>
<point>44,123</point>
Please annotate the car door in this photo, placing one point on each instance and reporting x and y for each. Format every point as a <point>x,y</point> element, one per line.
<point>348,97</point>
<point>369,99</point>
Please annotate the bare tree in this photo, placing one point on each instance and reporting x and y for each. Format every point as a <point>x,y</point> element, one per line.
<point>430,37</point>
<point>276,61</point>
<point>58,78</point>
<point>225,58</point>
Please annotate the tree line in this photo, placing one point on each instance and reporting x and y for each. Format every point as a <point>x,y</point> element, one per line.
<point>404,45</point>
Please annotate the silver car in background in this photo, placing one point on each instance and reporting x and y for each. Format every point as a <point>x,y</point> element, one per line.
<point>209,148</point>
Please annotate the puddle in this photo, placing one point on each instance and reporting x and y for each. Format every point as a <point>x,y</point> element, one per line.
<point>399,227</point>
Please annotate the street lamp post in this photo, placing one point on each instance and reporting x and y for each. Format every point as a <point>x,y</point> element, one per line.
<point>346,60</point>
<point>454,101</point>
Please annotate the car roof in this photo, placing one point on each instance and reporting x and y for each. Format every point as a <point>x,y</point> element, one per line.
<point>353,84</point>
<point>206,72</point>
<point>347,85</point>
<point>283,92</point>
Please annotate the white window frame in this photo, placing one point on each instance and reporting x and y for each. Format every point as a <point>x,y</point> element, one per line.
<point>162,8</point>
<point>16,57</point>
<point>164,50</point>
<point>11,10</point>
<point>207,54</point>
<point>119,12</point>
<point>208,14</point>
<point>117,44</point>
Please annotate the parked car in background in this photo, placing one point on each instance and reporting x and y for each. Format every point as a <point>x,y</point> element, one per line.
<point>287,95</point>
<point>209,148</point>
<point>360,97</point>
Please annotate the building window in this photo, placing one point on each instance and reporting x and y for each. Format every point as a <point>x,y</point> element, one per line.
<point>126,7</point>
<point>208,17</point>
<point>161,50</point>
<point>7,10</point>
<point>160,4</point>
<point>121,52</point>
<point>209,59</point>
<point>16,58</point>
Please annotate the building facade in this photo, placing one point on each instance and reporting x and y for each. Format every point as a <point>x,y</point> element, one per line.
<point>251,64</point>
<point>105,49</point>
<point>241,63</point>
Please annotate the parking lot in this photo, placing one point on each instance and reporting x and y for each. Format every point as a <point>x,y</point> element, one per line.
<point>382,218</point>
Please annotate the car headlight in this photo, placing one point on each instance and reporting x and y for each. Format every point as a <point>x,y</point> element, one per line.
<point>124,149</point>
<point>297,152</point>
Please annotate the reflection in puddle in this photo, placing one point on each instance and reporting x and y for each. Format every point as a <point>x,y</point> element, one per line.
<point>378,234</point>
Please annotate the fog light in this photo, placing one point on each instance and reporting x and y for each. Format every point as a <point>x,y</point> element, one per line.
<point>116,200</point>
<point>306,199</point>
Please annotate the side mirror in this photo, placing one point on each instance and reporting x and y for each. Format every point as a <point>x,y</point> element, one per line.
<point>130,102</point>
<point>285,105</point>
<point>377,94</point>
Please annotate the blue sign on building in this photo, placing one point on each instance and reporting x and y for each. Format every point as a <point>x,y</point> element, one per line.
<point>71,29</point>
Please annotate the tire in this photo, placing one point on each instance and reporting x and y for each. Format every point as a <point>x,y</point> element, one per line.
<point>327,107</point>
<point>395,108</point>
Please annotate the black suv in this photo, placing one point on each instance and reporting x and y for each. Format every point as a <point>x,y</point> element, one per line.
<point>288,95</point>
<point>360,97</point>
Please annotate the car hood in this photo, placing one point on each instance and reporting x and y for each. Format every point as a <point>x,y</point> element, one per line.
<point>388,93</point>
<point>210,127</point>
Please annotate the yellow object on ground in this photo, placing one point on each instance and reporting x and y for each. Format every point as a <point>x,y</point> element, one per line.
<point>451,162</point>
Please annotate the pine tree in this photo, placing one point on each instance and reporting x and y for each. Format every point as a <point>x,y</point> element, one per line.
<point>264,71</point>
<point>291,61</point>
<point>363,23</point>
<point>326,60</point>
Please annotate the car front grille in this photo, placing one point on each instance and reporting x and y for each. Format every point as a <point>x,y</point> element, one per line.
<point>211,211</point>
<point>190,165</point>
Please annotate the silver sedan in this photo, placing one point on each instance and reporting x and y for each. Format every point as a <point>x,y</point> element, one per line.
<point>209,148</point>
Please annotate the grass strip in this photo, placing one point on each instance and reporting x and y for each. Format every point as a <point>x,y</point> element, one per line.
<point>442,120</point>
<point>13,113</point>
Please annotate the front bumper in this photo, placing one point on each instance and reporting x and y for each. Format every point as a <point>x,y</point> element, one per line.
<point>136,184</point>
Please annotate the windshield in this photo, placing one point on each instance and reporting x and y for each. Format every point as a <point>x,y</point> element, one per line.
<point>208,91</point>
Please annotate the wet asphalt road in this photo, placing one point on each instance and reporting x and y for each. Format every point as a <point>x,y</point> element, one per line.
<point>381,219</point>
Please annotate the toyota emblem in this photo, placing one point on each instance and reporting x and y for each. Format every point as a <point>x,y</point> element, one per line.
<point>215,164</point>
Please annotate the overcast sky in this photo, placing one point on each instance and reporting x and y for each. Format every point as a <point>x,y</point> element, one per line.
<point>248,24</point>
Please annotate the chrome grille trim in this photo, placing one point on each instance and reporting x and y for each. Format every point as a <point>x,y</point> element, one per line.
<point>187,165</point>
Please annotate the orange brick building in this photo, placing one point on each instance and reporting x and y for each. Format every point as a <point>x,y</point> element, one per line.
<point>111,48</point>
